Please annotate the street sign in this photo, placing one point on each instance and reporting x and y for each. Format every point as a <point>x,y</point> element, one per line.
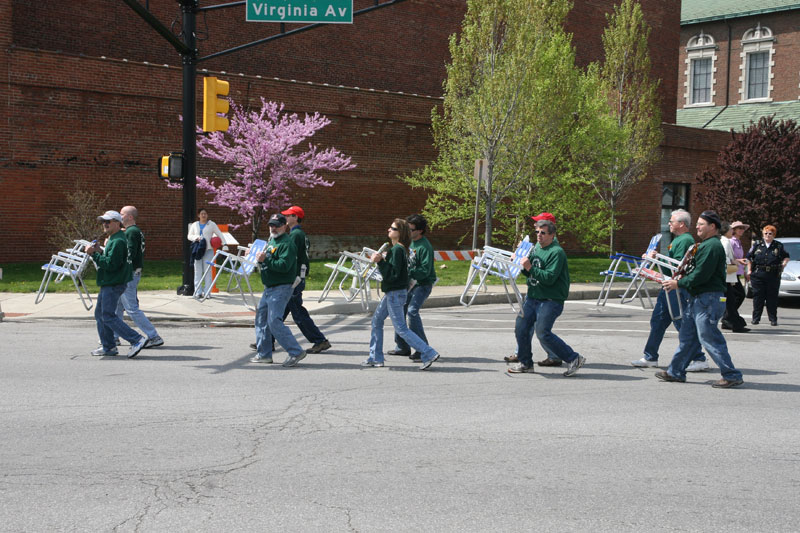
<point>325,11</point>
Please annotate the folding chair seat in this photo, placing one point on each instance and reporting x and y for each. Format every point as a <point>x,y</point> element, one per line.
<point>240,266</point>
<point>622,266</point>
<point>71,264</point>
<point>642,273</point>
<point>359,271</point>
<point>502,264</point>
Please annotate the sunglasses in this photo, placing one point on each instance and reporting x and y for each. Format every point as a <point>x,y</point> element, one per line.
<point>393,228</point>
<point>542,233</point>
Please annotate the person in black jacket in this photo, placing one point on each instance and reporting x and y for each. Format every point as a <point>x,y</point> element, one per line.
<point>766,260</point>
<point>394,270</point>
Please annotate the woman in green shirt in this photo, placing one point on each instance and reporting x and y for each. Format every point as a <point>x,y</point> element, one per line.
<point>394,270</point>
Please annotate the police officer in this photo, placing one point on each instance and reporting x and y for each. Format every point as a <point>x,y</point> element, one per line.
<point>766,260</point>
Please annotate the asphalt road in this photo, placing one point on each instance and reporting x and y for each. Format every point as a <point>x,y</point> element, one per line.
<point>191,437</point>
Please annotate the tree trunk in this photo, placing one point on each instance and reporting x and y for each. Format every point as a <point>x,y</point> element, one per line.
<point>487,241</point>
<point>613,215</point>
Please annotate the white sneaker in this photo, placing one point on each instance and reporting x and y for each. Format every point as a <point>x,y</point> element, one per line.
<point>644,363</point>
<point>371,363</point>
<point>697,366</point>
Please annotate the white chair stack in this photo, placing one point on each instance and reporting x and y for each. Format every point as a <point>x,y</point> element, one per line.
<point>499,263</point>
<point>240,266</point>
<point>70,264</point>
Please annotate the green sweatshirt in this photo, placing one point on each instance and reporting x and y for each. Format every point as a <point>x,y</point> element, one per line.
<point>394,269</point>
<point>280,268</point>
<point>548,278</point>
<point>135,246</point>
<point>114,264</point>
<point>709,269</point>
<point>300,241</point>
<point>680,245</point>
<point>423,269</point>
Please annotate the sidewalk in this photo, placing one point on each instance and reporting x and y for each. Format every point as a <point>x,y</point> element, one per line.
<point>163,306</point>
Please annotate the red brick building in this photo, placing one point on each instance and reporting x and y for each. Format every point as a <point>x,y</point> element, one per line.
<point>93,93</point>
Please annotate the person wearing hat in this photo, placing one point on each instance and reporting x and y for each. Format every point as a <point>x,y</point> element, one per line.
<point>766,260</point>
<point>114,271</point>
<point>294,218</point>
<point>278,264</point>
<point>706,287</point>
<point>551,359</point>
<point>661,318</point>
<point>735,295</point>
<point>547,276</point>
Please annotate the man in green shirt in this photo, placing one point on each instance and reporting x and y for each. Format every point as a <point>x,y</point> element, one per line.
<point>278,264</point>
<point>129,301</point>
<point>548,287</point>
<point>679,223</point>
<point>114,271</point>
<point>422,274</point>
<point>706,286</point>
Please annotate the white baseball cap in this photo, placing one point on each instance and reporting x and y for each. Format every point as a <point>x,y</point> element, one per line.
<point>111,215</point>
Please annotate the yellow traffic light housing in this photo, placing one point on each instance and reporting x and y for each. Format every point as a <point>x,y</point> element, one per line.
<point>213,104</point>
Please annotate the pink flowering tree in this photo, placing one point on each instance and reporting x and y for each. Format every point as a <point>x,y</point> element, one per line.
<point>263,147</point>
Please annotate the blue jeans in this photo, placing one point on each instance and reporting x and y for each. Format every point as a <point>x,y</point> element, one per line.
<point>416,297</point>
<point>269,322</point>
<point>301,317</point>
<point>700,317</point>
<point>109,325</point>
<point>129,301</point>
<point>391,305</point>
<point>540,315</point>
<point>660,321</point>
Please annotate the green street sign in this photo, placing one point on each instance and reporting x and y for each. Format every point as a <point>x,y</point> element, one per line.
<point>327,11</point>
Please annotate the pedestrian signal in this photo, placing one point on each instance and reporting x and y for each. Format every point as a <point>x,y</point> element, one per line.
<point>171,167</point>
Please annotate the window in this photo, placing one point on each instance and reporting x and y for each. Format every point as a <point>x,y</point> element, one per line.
<point>757,61</point>
<point>700,57</point>
<point>673,196</point>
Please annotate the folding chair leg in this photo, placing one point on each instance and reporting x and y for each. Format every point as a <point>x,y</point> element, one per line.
<point>81,293</point>
<point>40,294</point>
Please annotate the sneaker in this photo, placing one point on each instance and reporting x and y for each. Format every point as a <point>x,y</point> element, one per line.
<point>426,365</point>
<point>519,368</point>
<point>136,348</point>
<point>726,384</point>
<point>511,358</point>
<point>292,360</point>
<point>574,366</point>
<point>371,363</point>
<point>644,363</point>
<point>155,341</point>
<point>741,330</point>
<point>416,357</point>
<point>550,362</point>
<point>100,352</point>
<point>320,347</point>
<point>254,346</point>
<point>405,353</point>
<point>697,366</point>
<point>666,376</point>
<point>258,359</point>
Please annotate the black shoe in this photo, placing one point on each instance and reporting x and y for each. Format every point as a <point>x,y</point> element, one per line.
<point>725,325</point>
<point>550,362</point>
<point>741,330</point>
<point>416,356</point>
<point>320,347</point>
<point>773,322</point>
<point>666,376</point>
<point>404,353</point>
<point>254,346</point>
<point>755,321</point>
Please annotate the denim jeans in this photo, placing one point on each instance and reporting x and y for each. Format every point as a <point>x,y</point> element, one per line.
<point>540,315</point>
<point>416,297</point>
<point>391,305</point>
<point>269,322</point>
<point>301,317</point>
<point>700,318</point>
<point>660,321</point>
<point>129,301</point>
<point>109,325</point>
<point>202,283</point>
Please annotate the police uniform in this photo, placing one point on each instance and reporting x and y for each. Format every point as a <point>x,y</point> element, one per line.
<point>766,264</point>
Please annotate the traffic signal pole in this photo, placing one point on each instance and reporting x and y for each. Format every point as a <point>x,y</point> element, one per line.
<point>189,8</point>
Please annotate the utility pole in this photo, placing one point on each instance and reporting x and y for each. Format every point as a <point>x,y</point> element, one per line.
<point>189,59</point>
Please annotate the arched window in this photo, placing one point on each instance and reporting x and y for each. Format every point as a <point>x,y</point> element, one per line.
<point>701,55</point>
<point>757,62</point>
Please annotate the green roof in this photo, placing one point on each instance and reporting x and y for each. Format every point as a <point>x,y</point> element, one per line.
<point>736,117</point>
<point>694,11</point>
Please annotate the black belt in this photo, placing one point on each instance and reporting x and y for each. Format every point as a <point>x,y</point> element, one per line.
<point>760,268</point>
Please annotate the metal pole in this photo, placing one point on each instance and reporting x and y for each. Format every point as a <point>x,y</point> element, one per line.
<point>475,219</point>
<point>188,7</point>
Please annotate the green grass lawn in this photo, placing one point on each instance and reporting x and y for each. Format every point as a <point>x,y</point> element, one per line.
<point>168,275</point>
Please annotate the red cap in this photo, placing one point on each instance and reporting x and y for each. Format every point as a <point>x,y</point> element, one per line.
<point>545,216</point>
<point>295,210</point>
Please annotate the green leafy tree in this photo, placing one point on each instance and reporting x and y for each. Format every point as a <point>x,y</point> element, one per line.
<point>757,178</point>
<point>511,97</point>
<point>633,106</point>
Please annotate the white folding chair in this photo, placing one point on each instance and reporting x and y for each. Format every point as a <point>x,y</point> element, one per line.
<point>652,270</point>
<point>639,282</point>
<point>239,266</point>
<point>623,266</point>
<point>357,270</point>
<point>502,264</point>
<point>71,263</point>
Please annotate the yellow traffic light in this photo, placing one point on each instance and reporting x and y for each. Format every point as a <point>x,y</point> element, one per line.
<point>213,104</point>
